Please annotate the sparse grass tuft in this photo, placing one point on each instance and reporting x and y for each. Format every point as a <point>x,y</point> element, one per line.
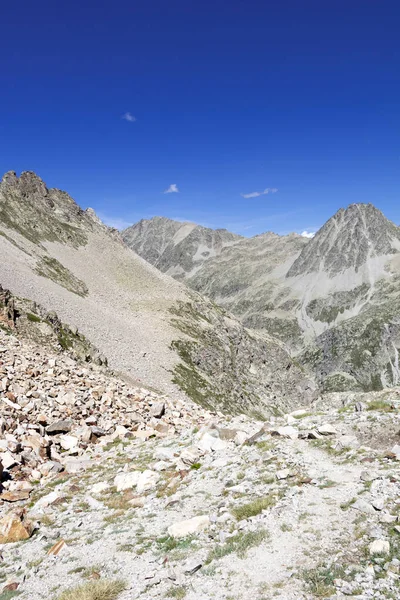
<point>346,505</point>
<point>320,580</point>
<point>9,595</point>
<point>251,509</point>
<point>103,589</point>
<point>167,544</point>
<point>240,544</point>
<point>380,405</point>
<point>33,318</point>
<point>177,592</point>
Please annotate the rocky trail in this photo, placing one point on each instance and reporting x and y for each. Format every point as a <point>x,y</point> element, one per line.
<point>109,485</point>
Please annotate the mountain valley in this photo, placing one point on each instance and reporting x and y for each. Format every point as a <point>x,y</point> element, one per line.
<point>333,299</point>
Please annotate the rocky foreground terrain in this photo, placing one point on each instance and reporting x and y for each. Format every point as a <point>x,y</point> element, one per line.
<point>112,491</point>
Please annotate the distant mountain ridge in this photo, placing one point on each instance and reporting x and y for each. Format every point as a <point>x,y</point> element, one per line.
<point>147,325</point>
<point>334,298</point>
<point>176,248</point>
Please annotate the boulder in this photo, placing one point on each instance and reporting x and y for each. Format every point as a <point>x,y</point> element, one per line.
<point>157,410</point>
<point>15,527</point>
<point>379,547</point>
<point>188,527</point>
<point>209,442</point>
<point>63,426</point>
<point>147,481</point>
<point>126,481</point>
<point>327,429</point>
<point>286,432</point>
<point>68,442</point>
<point>190,456</point>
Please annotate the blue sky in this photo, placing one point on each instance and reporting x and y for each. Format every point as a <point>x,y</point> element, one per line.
<point>221,99</point>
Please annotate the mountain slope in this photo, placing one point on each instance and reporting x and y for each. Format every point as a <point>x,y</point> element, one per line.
<point>176,248</point>
<point>146,324</point>
<point>247,280</point>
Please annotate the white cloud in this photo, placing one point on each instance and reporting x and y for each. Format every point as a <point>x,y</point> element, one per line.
<point>172,188</point>
<point>308,234</point>
<point>129,117</point>
<point>256,194</point>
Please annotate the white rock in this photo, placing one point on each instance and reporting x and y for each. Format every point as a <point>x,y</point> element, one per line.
<point>209,442</point>
<point>378,503</point>
<point>147,481</point>
<point>301,412</point>
<point>68,441</point>
<point>326,429</point>
<point>97,488</point>
<point>287,432</point>
<point>387,518</point>
<point>47,500</point>
<point>379,547</point>
<point>396,451</point>
<point>240,438</point>
<point>126,481</point>
<point>363,506</point>
<point>283,474</point>
<point>184,528</point>
<point>8,460</point>
<point>190,456</point>
<point>164,453</point>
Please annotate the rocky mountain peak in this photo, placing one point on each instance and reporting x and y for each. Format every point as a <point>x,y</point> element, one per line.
<point>27,184</point>
<point>348,239</point>
<point>176,247</point>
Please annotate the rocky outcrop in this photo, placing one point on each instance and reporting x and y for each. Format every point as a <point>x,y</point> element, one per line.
<point>228,367</point>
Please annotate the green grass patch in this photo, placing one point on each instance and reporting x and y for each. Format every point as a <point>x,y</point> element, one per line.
<point>238,544</point>
<point>177,592</point>
<point>33,318</point>
<point>103,589</point>
<point>320,580</point>
<point>380,405</point>
<point>251,509</point>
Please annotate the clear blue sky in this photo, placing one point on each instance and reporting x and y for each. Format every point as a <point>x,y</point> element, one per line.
<point>230,98</point>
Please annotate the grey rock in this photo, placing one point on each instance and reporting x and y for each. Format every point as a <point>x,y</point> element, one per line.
<point>63,426</point>
<point>157,410</point>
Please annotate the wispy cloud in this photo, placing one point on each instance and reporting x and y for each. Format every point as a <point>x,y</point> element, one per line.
<point>172,188</point>
<point>129,117</point>
<point>308,234</point>
<point>117,222</point>
<point>256,194</point>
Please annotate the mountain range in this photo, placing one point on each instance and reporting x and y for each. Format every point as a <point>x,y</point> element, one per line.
<point>333,300</point>
<point>147,325</point>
